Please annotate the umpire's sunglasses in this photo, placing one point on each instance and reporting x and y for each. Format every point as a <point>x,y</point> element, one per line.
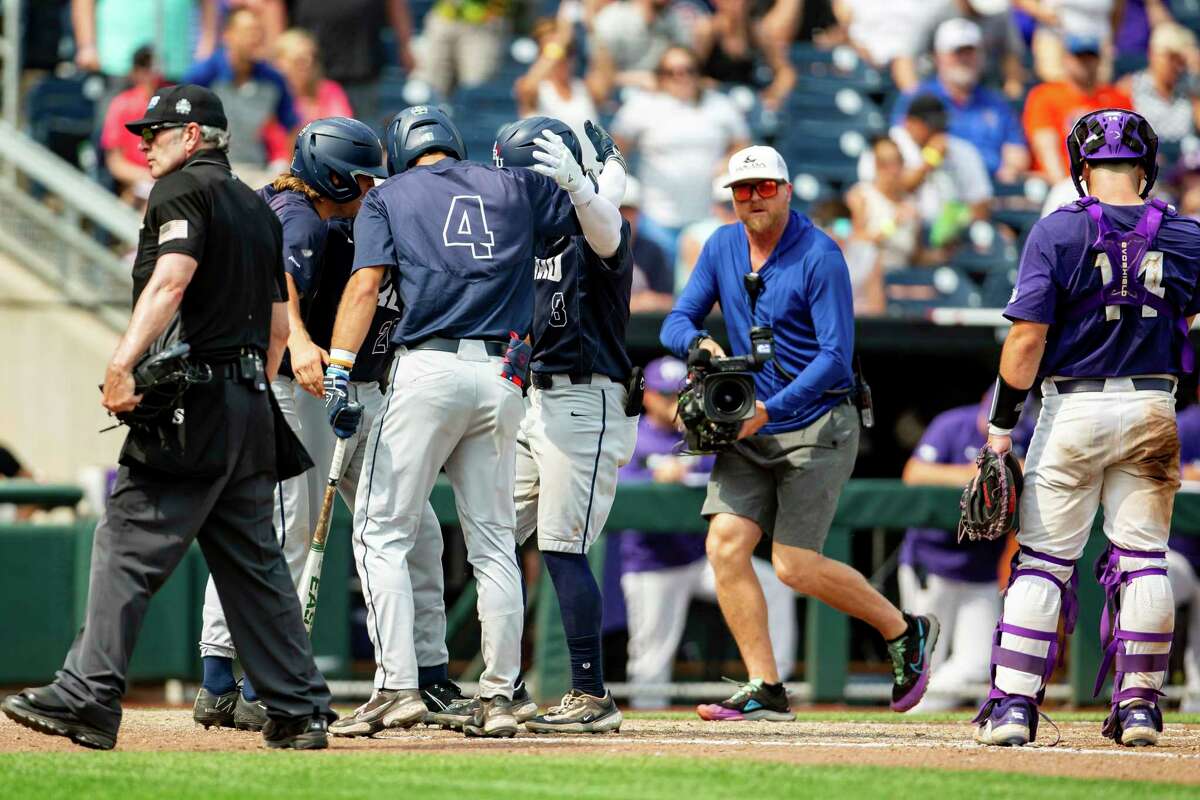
<point>766,190</point>
<point>151,131</point>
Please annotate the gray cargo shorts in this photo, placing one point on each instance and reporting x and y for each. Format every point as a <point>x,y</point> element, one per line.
<point>788,483</point>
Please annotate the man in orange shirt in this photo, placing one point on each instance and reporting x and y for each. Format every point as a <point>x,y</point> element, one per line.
<point>1051,109</point>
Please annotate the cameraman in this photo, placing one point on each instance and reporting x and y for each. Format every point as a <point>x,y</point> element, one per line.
<point>784,476</point>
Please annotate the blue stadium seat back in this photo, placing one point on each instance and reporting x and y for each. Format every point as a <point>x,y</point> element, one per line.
<point>61,114</point>
<point>806,54</point>
<point>1169,153</point>
<point>937,287</point>
<point>997,287</point>
<point>1020,220</point>
<point>1128,63</point>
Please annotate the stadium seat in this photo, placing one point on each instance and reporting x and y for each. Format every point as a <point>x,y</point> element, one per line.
<point>912,292</point>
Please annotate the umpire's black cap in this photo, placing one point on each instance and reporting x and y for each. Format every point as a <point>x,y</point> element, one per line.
<point>182,104</point>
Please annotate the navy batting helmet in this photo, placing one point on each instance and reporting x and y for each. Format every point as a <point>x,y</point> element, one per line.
<point>418,130</point>
<point>514,142</point>
<point>1113,134</point>
<point>332,152</point>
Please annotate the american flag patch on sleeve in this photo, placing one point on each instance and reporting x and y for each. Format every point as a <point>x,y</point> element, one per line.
<point>174,229</point>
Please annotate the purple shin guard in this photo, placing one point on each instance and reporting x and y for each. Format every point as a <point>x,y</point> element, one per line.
<point>1113,636</point>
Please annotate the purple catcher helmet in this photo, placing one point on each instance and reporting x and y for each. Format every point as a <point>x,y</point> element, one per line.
<point>1113,134</point>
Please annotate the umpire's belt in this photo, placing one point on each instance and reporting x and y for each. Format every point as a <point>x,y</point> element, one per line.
<point>1076,385</point>
<point>443,345</point>
<point>548,380</point>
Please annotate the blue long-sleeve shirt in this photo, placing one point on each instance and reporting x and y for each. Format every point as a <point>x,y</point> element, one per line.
<point>807,301</point>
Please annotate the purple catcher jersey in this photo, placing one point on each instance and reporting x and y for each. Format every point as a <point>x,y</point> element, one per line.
<point>1189,453</point>
<point>1060,269</point>
<point>953,437</point>
<point>459,239</point>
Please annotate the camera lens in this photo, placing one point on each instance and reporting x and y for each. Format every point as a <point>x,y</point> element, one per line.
<point>728,397</point>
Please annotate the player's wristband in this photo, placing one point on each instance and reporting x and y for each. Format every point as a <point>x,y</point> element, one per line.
<point>342,358</point>
<point>1007,404</point>
<point>932,156</point>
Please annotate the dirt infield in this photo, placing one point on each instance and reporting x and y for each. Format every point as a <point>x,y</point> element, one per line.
<point>1082,753</point>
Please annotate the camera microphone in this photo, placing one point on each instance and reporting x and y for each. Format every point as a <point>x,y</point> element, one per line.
<point>754,287</point>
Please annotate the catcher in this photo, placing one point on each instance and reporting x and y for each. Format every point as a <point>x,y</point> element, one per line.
<point>1105,295</point>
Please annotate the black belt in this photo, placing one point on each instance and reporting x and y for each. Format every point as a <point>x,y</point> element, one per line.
<point>443,345</point>
<point>545,380</point>
<point>1076,385</point>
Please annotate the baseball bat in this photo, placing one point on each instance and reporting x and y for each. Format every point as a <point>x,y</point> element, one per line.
<point>310,579</point>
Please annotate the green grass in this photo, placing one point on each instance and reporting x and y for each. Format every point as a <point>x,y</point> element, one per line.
<point>328,776</point>
<point>869,715</point>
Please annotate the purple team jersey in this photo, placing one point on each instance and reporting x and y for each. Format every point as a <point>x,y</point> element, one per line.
<point>953,437</point>
<point>1189,453</point>
<point>1060,268</point>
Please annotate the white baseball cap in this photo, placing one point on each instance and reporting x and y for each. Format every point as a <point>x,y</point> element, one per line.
<point>757,163</point>
<point>957,33</point>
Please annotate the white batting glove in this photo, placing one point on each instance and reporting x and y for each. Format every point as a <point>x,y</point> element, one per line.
<point>557,162</point>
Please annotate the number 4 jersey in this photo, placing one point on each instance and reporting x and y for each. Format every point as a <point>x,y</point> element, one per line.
<point>458,238</point>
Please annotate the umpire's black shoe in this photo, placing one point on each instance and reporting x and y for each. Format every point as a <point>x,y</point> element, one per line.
<point>43,711</point>
<point>297,733</point>
<point>438,696</point>
<point>216,709</point>
<point>249,715</point>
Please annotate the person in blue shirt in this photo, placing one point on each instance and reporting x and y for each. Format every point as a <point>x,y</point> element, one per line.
<point>975,113</point>
<point>784,476</point>
<point>457,239</point>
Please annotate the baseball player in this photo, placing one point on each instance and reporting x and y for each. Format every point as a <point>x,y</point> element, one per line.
<point>458,240</point>
<point>1105,293</point>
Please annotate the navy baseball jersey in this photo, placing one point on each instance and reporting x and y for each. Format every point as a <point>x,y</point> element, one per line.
<point>303,235</point>
<point>1060,268</point>
<point>953,437</point>
<point>581,309</point>
<point>459,239</point>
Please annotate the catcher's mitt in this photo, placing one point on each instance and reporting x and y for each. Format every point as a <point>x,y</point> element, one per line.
<point>161,379</point>
<point>988,508</point>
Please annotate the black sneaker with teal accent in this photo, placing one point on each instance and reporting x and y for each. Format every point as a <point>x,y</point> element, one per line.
<point>911,654</point>
<point>753,700</point>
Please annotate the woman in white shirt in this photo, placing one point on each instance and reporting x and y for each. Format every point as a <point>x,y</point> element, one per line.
<point>683,135</point>
<point>883,212</point>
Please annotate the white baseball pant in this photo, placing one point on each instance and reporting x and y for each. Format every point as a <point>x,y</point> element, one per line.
<point>298,504</point>
<point>968,613</point>
<point>571,443</point>
<point>452,410</point>
<point>656,602</point>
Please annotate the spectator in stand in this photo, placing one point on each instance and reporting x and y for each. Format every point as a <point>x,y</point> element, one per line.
<point>945,172</point>
<point>1165,92</point>
<point>552,87</point>
<point>1185,185</point>
<point>348,42</point>
<point>734,48</point>
<point>653,280</point>
<point>108,32</point>
<point>1061,21</point>
<point>956,581</point>
<point>1183,562</point>
<point>272,13</point>
<point>463,43</point>
<point>262,116</point>
<point>11,468</point>
<point>892,33</point>
<point>1052,108</point>
<point>314,95</point>
<point>637,33</point>
<point>862,257</point>
<point>123,156</point>
<point>662,573</point>
<point>980,115</point>
<point>1003,47</point>
<point>693,237</point>
<point>1135,20</point>
<point>681,131</point>
<point>884,212</point>
<point>805,21</point>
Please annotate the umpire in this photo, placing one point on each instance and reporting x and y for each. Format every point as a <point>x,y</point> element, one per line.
<point>209,274</point>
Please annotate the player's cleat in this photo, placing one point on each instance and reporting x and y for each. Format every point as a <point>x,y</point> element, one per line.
<point>1010,723</point>
<point>385,709</point>
<point>299,733</point>
<point>911,655</point>
<point>438,696</point>
<point>41,710</point>
<point>1135,725</point>
<point>523,707</point>
<point>493,717</point>
<point>458,712</point>
<point>579,713</point>
<point>216,709</point>
<point>249,715</point>
<point>753,700</point>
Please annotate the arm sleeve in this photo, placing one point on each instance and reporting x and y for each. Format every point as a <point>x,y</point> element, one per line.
<point>373,245</point>
<point>179,211</point>
<point>1034,297</point>
<point>303,240</point>
<point>682,324</point>
<point>831,302</point>
<point>611,182</point>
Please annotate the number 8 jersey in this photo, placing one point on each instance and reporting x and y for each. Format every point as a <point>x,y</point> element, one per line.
<point>458,238</point>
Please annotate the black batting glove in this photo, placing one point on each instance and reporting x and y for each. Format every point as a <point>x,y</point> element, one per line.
<point>604,145</point>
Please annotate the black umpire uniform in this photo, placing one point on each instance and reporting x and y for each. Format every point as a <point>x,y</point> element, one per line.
<point>208,470</point>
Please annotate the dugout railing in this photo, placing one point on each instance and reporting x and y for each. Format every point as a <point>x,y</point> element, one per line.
<point>45,568</point>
